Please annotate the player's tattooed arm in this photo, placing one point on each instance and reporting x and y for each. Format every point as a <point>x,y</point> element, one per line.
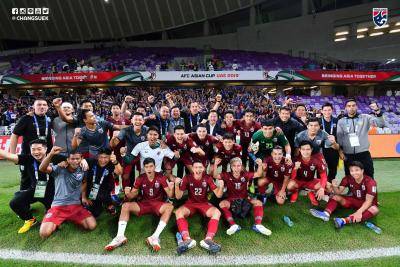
<point>215,173</point>
<point>178,191</point>
<point>169,190</point>
<point>260,167</point>
<point>131,193</point>
<point>219,191</point>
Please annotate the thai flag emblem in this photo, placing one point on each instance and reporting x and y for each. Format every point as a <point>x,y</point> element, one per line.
<point>380,16</point>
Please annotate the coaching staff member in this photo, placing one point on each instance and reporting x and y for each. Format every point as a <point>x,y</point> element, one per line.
<point>352,135</point>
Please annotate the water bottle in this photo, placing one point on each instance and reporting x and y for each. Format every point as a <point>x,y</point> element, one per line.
<point>288,221</point>
<point>373,227</point>
<point>179,238</point>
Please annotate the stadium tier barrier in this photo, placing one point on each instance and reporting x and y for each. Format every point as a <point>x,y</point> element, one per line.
<point>382,145</point>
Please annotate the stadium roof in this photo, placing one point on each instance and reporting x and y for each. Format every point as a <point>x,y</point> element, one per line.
<point>85,20</point>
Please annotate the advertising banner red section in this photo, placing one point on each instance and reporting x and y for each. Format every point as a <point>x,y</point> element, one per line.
<point>5,144</point>
<point>325,75</point>
<point>71,77</point>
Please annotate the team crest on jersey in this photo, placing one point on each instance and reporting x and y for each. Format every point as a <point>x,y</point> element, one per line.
<point>79,176</point>
<point>380,16</point>
<point>243,179</point>
<point>275,139</point>
<point>319,142</point>
<point>142,138</point>
<point>22,167</point>
<point>363,187</point>
<point>156,184</point>
<point>312,167</point>
<point>207,143</point>
<point>191,184</point>
<point>158,153</point>
<point>204,184</point>
<point>100,130</point>
<point>252,129</point>
<point>49,214</point>
<point>282,169</point>
<point>144,185</point>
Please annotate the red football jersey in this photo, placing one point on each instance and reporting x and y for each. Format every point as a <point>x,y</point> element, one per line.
<point>227,155</point>
<point>246,131</point>
<point>121,121</point>
<point>197,188</point>
<point>277,172</point>
<point>236,187</point>
<point>151,190</point>
<point>206,145</point>
<point>183,148</point>
<point>307,170</point>
<point>360,190</point>
<point>229,129</point>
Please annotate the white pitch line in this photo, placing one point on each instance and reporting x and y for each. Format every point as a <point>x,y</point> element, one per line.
<point>199,260</point>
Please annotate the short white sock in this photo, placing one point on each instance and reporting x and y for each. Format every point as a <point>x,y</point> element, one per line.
<point>121,228</point>
<point>327,213</point>
<point>160,228</point>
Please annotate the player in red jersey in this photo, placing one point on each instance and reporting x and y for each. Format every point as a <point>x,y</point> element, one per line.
<point>236,182</point>
<point>364,197</point>
<point>226,150</point>
<point>277,172</point>
<point>153,188</point>
<point>246,127</point>
<point>204,141</point>
<point>304,171</point>
<point>228,124</point>
<point>198,184</point>
<point>185,145</point>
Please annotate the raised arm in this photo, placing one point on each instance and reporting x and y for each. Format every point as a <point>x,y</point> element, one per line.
<point>57,105</point>
<point>45,165</point>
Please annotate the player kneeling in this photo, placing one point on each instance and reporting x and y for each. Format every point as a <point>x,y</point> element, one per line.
<point>277,171</point>
<point>153,187</point>
<point>198,184</point>
<point>303,175</point>
<point>236,183</point>
<point>364,197</point>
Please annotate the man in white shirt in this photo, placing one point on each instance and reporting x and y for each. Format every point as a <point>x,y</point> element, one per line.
<point>153,148</point>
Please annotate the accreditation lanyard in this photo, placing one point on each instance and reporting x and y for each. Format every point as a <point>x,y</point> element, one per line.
<point>191,121</point>
<point>37,127</point>
<point>105,172</point>
<point>323,126</point>
<point>35,166</point>
<point>348,125</point>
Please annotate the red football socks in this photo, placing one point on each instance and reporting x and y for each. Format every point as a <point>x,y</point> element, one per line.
<point>212,228</point>
<point>331,206</point>
<point>228,216</point>
<point>258,212</point>
<point>183,228</point>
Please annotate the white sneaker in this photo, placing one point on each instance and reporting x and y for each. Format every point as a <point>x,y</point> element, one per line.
<point>261,229</point>
<point>154,243</point>
<point>116,242</point>
<point>233,229</point>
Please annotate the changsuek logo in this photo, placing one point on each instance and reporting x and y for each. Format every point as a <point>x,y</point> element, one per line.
<point>30,13</point>
<point>380,16</point>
